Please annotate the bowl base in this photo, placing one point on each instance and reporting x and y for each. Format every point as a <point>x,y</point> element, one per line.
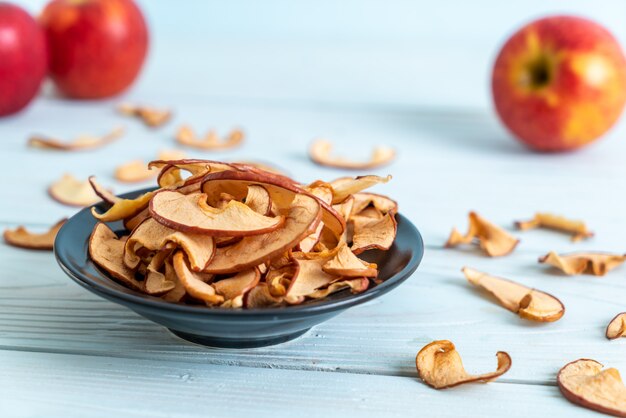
<point>219,342</point>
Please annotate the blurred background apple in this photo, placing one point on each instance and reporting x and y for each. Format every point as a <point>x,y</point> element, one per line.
<point>23,59</point>
<point>97,47</point>
<point>559,83</point>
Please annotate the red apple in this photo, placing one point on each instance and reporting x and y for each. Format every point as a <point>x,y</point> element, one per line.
<point>23,58</point>
<point>559,83</point>
<point>97,47</point>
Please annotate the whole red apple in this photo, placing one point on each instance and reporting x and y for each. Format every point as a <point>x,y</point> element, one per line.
<point>23,58</point>
<point>559,83</point>
<point>97,47</point>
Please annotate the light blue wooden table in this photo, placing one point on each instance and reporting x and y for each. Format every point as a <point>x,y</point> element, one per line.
<point>360,74</point>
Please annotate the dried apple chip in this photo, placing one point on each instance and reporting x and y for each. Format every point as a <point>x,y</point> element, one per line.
<point>346,264</point>
<point>597,264</point>
<point>320,153</point>
<point>107,251</point>
<point>355,286</point>
<point>149,115</point>
<point>578,229</point>
<point>156,283</point>
<point>302,219</point>
<point>381,204</point>
<point>124,208</point>
<point>178,293</point>
<point>80,143</point>
<point>72,192</point>
<point>190,213</point>
<point>153,236</point>
<point>261,297</point>
<point>106,195</point>
<point>493,240</point>
<point>531,304</point>
<point>617,327</point>
<point>345,186</point>
<point>310,276</point>
<point>325,193</point>
<point>211,141</point>
<point>440,366</point>
<point>194,285</point>
<point>258,199</point>
<point>238,285</point>
<point>373,233</point>
<point>21,237</point>
<point>585,383</point>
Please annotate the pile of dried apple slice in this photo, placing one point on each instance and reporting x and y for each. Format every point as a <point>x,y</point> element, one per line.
<point>236,236</point>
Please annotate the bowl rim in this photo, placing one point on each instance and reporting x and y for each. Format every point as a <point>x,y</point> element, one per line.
<point>154,302</point>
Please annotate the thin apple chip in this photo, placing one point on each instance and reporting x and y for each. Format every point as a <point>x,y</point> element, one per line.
<point>440,366</point>
<point>106,195</point>
<point>258,199</point>
<point>346,264</point>
<point>309,277</point>
<point>151,116</point>
<point>238,285</point>
<point>373,233</point>
<point>124,208</point>
<point>81,143</point>
<point>107,251</point>
<point>617,327</point>
<point>260,166</point>
<point>153,236</point>
<point>23,238</point>
<point>379,203</point>
<point>597,264</point>
<point>70,191</point>
<point>585,383</point>
<point>355,285</point>
<point>345,186</point>
<point>211,141</point>
<point>194,285</point>
<point>320,153</point>
<point>178,293</point>
<point>528,303</point>
<point>325,193</point>
<point>578,229</point>
<point>156,283</point>
<point>261,297</point>
<point>493,240</point>
<point>191,213</point>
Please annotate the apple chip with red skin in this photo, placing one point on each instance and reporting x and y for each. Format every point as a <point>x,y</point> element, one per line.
<point>381,204</point>
<point>325,193</point>
<point>492,239</point>
<point>156,282</point>
<point>528,303</point>
<point>170,174</point>
<point>585,383</point>
<point>346,264</point>
<point>345,186</point>
<point>70,191</point>
<point>597,264</point>
<point>617,327</point>
<point>23,238</point>
<point>578,229</point>
<point>190,213</point>
<point>373,233</point>
<point>153,236</point>
<point>150,116</point>
<point>211,141</point>
<point>440,366</point>
<point>320,153</point>
<point>193,284</point>
<point>83,142</point>
<point>355,285</point>
<point>106,195</point>
<point>124,208</point>
<point>238,285</point>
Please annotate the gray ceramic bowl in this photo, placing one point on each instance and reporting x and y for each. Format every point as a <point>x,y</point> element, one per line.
<point>219,327</point>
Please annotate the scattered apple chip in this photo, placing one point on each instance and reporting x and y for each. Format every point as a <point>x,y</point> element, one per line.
<point>80,143</point>
<point>597,264</point>
<point>578,229</point>
<point>72,192</point>
<point>211,141</point>
<point>320,153</point>
<point>617,327</point>
<point>531,304</point>
<point>347,186</point>
<point>492,239</point>
<point>106,195</point>
<point>586,384</point>
<point>191,213</point>
<point>149,115</point>
<point>233,236</point>
<point>21,237</point>
<point>440,366</point>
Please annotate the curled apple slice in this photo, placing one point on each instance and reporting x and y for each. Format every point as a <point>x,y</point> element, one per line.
<point>261,297</point>
<point>72,192</point>
<point>440,366</point>
<point>190,213</point>
<point>381,204</point>
<point>151,116</point>
<point>617,327</point>
<point>258,199</point>
<point>373,233</point>
<point>238,285</point>
<point>156,283</point>
<point>193,284</point>
<point>178,293</point>
<point>260,166</point>
<point>309,277</point>
<point>325,193</point>
<point>153,236</point>
<point>104,194</point>
<point>211,141</point>
<point>597,264</point>
<point>170,174</point>
<point>346,264</point>
<point>23,238</point>
<point>320,153</point>
<point>585,383</point>
<point>578,229</point>
<point>81,143</point>
<point>345,186</point>
<point>531,304</point>
<point>124,208</point>
<point>492,239</point>
<point>301,220</point>
<point>355,285</point>
<point>107,251</point>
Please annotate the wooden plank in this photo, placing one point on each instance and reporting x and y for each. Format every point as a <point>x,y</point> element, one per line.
<point>79,386</point>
